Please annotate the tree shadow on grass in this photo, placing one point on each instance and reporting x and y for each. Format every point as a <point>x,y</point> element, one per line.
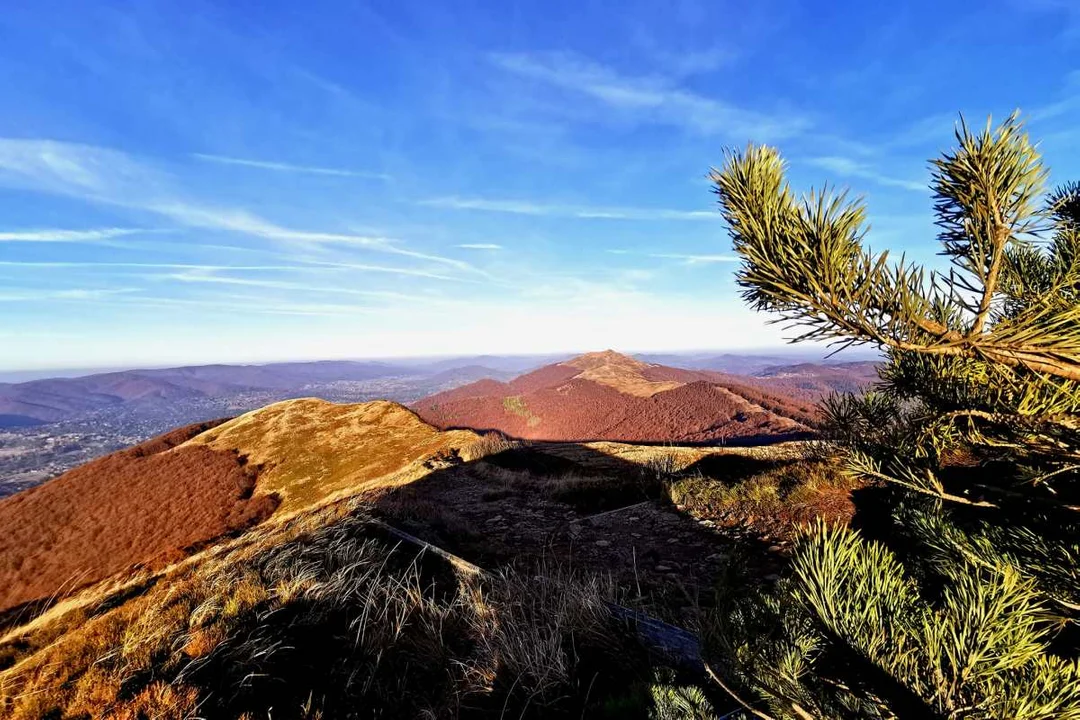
<point>575,505</point>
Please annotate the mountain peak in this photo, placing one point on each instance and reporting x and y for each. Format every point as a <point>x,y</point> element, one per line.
<point>610,396</point>
<point>620,372</point>
<point>604,358</point>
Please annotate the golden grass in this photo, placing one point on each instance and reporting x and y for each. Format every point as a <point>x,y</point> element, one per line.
<point>493,443</point>
<point>310,449</point>
<point>590,454</point>
<point>515,405</point>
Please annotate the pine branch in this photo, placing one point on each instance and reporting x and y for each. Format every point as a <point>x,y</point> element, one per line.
<point>1001,237</point>
<point>735,696</point>
<point>805,261</point>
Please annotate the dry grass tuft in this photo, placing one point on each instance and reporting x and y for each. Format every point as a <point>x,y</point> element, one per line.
<point>404,505</point>
<point>493,443</point>
<point>663,468</point>
<point>534,614</point>
<point>315,621</point>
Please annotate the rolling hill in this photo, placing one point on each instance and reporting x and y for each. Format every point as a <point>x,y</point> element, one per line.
<point>610,396</point>
<point>308,449</point>
<point>161,499</point>
<point>49,400</point>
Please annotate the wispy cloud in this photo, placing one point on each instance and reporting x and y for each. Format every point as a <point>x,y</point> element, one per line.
<point>215,277</point>
<point>307,266</point>
<point>480,246</point>
<point>107,264</point>
<point>241,221</point>
<point>936,129</point>
<point>253,305</point>
<point>686,258</point>
<point>55,235</point>
<point>846,167</point>
<point>654,99</point>
<point>79,294</point>
<point>74,169</point>
<point>524,207</point>
<point>112,177</point>
<point>366,267</point>
<point>1069,99</point>
<point>691,62</point>
<point>691,259</point>
<point>289,167</point>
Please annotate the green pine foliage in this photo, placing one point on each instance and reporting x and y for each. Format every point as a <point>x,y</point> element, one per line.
<point>964,602</point>
<point>674,701</point>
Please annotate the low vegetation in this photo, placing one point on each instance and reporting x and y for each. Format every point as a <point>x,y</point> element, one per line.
<point>493,443</point>
<point>310,449</point>
<point>157,502</point>
<point>515,405</point>
<point>321,613</point>
<point>773,498</point>
<point>123,509</point>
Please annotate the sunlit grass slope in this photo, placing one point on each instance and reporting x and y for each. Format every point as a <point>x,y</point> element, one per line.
<point>310,449</point>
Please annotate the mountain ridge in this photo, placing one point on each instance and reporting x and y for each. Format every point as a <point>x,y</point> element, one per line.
<point>611,396</point>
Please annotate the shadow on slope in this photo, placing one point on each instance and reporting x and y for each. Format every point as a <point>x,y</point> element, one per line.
<point>742,441</point>
<point>600,513</point>
<point>321,614</point>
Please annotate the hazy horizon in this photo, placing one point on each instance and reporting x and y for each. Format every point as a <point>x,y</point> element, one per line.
<point>800,351</point>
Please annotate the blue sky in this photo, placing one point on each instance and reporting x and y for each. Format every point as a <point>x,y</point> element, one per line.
<point>239,181</point>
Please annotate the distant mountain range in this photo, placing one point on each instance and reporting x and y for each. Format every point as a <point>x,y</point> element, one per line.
<point>50,400</point>
<point>739,363</point>
<point>53,399</point>
<point>610,396</point>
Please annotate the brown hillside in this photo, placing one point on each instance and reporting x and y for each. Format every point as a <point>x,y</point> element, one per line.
<point>172,494</point>
<point>814,381</point>
<point>620,372</point>
<point>133,506</point>
<point>608,396</point>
